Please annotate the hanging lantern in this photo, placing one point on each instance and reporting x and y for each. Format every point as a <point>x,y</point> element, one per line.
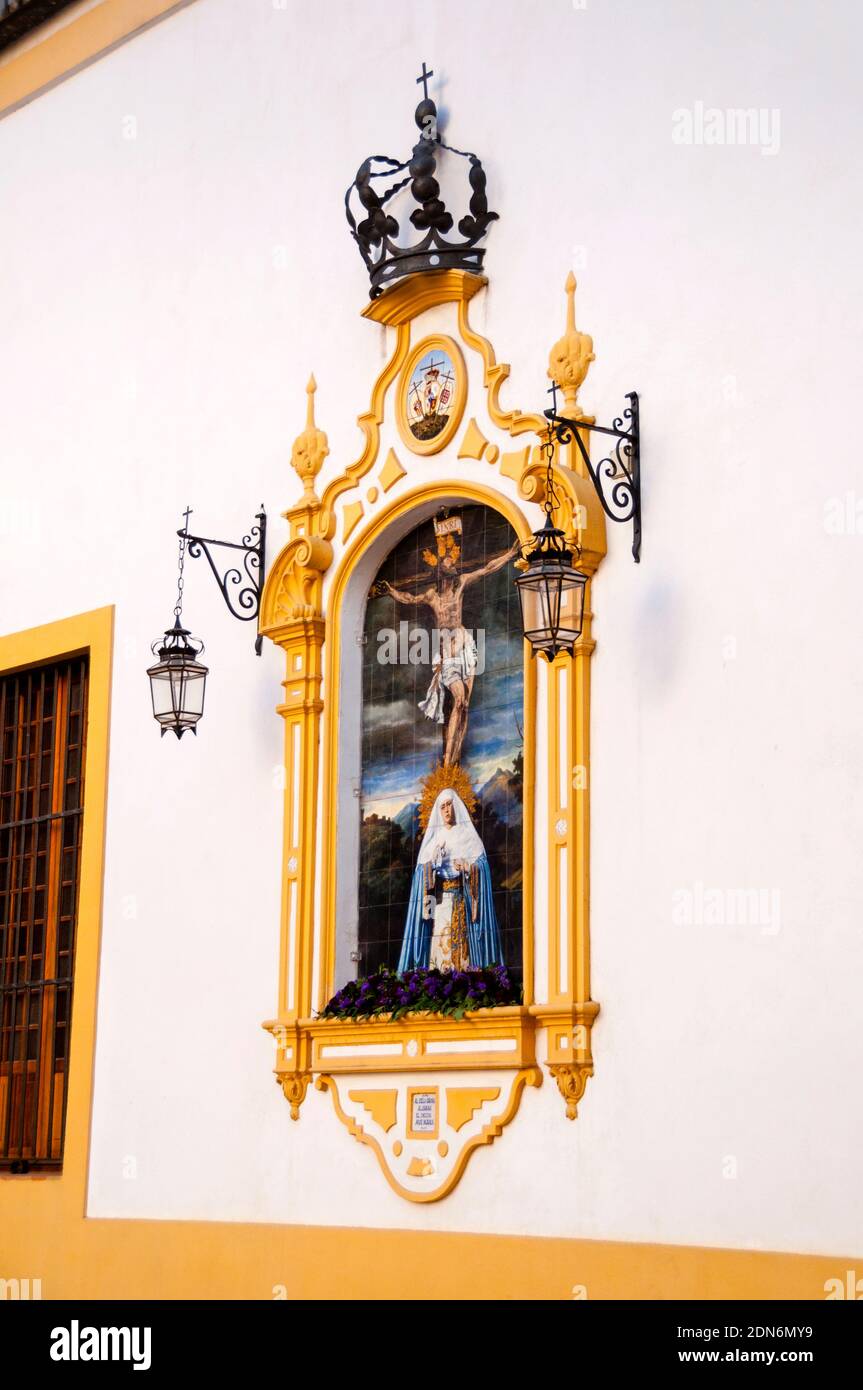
<point>178,679</point>
<point>550,590</point>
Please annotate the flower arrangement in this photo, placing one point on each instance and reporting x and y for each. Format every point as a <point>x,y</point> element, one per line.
<point>452,992</point>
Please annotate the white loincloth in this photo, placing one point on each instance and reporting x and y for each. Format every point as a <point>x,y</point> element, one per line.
<point>445,672</point>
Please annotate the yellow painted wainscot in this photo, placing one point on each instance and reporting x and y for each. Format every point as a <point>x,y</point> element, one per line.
<point>334,529</point>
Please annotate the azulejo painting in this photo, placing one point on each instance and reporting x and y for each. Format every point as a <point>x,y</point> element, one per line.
<point>442,753</point>
<point>430,394</point>
<point>431,397</point>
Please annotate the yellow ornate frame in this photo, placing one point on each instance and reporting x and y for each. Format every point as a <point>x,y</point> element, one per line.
<point>443,344</point>
<point>292,616</point>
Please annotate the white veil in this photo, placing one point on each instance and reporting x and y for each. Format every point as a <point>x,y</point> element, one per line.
<point>461,839</point>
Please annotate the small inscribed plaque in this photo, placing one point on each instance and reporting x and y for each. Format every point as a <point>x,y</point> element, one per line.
<point>424,1112</point>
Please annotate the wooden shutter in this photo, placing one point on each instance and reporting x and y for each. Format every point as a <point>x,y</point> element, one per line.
<point>43,724</point>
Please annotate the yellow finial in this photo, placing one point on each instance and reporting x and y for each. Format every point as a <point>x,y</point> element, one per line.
<point>571,355</point>
<point>570,288</point>
<point>310,448</point>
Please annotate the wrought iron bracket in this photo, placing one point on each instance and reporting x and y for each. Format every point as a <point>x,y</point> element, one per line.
<point>241,588</point>
<point>617,477</point>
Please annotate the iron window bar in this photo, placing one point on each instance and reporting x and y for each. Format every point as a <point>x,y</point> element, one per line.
<point>36,1008</point>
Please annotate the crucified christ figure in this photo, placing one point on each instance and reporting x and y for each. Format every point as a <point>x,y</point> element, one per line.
<point>455,666</point>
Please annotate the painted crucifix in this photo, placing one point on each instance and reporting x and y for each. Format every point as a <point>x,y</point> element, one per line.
<point>455,664</point>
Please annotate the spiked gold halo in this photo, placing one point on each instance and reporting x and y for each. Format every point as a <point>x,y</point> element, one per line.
<point>445,777</point>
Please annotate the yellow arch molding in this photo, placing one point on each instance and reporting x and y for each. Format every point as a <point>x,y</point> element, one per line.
<point>370,423</point>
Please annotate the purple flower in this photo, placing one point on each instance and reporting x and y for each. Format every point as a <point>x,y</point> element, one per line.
<point>388,992</point>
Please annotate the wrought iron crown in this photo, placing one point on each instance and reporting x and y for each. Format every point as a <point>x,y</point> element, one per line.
<point>387,260</point>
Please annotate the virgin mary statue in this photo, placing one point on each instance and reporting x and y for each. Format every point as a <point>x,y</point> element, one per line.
<point>451,922</point>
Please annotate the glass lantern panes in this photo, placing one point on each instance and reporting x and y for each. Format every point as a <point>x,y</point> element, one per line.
<point>551,593</point>
<point>177,682</point>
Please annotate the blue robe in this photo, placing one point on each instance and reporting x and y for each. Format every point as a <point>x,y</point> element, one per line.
<point>483,933</point>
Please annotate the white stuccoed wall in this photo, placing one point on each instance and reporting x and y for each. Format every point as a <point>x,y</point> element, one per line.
<point>163,299</point>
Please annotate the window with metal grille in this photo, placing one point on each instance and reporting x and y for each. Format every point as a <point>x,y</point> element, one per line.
<point>43,726</point>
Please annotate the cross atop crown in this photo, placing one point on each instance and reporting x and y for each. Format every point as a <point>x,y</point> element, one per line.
<point>424,79</point>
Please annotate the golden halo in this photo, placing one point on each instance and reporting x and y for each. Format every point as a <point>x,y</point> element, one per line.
<point>445,777</point>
